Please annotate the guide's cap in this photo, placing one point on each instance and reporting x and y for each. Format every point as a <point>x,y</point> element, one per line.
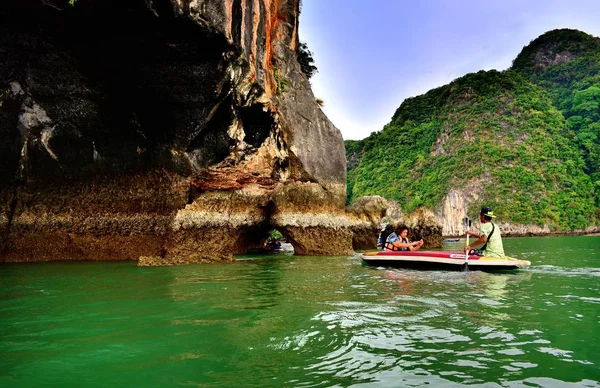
<point>487,212</point>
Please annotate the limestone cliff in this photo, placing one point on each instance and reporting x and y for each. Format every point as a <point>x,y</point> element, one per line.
<point>366,214</point>
<point>173,130</point>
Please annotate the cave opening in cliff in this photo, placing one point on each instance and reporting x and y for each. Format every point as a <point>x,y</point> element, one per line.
<point>265,237</point>
<point>257,123</point>
<point>270,240</point>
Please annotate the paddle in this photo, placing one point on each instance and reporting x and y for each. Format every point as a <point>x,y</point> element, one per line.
<point>465,266</point>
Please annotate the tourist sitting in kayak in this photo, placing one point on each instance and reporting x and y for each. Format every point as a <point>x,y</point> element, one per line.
<point>272,244</point>
<point>394,242</point>
<point>490,236</point>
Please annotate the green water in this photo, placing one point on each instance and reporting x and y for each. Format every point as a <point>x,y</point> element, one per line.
<point>305,321</point>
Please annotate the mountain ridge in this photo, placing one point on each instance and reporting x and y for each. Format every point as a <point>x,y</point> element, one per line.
<point>501,139</point>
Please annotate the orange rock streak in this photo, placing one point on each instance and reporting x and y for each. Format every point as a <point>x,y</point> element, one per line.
<point>229,15</point>
<point>242,25</point>
<point>295,30</point>
<point>269,80</point>
<point>255,23</point>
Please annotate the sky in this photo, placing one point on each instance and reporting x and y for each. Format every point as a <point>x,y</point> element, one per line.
<point>372,54</point>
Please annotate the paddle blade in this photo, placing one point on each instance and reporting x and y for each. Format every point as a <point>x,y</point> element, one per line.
<point>465,267</point>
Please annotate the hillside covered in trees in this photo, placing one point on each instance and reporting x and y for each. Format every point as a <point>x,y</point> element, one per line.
<point>525,141</point>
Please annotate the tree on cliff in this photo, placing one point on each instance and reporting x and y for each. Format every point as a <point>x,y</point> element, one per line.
<point>307,63</point>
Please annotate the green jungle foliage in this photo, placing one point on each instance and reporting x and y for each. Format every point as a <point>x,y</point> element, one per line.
<point>567,64</point>
<point>526,140</point>
<point>275,234</point>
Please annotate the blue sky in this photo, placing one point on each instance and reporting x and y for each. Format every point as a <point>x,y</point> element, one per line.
<point>373,54</point>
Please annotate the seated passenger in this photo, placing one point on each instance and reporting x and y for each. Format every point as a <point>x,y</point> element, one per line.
<point>395,243</point>
<point>380,238</point>
<point>277,244</point>
<point>272,244</point>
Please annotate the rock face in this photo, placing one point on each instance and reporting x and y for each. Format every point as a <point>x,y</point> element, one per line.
<point>167,130</point>
<point>421,222</point>
<point>366,214</point>
<point>454,207</point>
<point>459,203</point>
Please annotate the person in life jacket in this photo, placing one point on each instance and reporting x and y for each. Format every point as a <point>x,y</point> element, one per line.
<point>394,242</point>
<point>490,236</point>
<point>381,238</point>
<point>272,244</point>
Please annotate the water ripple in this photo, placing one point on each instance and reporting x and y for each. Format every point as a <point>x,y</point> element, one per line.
<point>558,270</point>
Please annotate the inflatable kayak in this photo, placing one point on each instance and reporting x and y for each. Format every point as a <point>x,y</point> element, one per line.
<point>440,260</point>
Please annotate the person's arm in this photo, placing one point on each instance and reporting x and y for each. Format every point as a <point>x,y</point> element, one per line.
<point>417,245</point>
<point>473,234</point>
<point>409,245</point>
<point>481,239</point>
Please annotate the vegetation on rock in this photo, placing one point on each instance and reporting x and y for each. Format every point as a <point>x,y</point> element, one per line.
<point>305,58</point>
<point>525,139</point>
<point>566,63</point>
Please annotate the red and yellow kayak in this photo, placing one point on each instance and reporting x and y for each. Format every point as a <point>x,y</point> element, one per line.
<point>441,260</point>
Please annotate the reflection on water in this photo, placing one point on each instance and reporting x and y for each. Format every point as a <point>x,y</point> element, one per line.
<point>304,321</point>
<point>465,327</point>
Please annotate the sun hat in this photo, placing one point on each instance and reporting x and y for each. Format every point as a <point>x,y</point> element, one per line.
<point>487,212</point>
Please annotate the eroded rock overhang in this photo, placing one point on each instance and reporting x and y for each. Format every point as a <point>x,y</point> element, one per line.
<point>175,131</point>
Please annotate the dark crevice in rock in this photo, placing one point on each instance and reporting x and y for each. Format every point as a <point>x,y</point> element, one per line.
<point>190,197</point>
<point>212,145</point>
<point>11,144</point>
<point>12,206</point>
<point>162,252</point>
<point>236,20</point>
<point>194,192</point>
<point>248,15</point>
<point>281,165</point>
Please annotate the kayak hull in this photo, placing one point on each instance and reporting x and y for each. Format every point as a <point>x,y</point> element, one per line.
<point>445,260</point>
